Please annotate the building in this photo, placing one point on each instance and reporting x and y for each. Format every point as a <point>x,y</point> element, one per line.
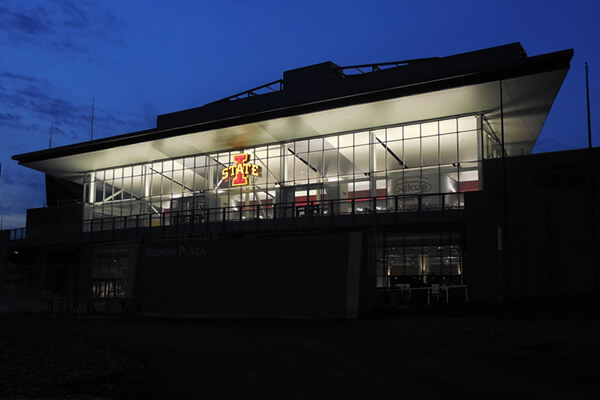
<point>329,193</point>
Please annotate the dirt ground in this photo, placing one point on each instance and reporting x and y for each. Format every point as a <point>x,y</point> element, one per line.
<point>385,357</point>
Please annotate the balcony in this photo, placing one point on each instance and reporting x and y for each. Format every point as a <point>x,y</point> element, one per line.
<point>363,206</point>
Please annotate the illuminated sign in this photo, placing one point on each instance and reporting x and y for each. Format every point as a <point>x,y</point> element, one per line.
<point>238,173</point>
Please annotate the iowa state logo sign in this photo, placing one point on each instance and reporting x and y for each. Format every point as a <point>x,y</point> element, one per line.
<point>239,172</point>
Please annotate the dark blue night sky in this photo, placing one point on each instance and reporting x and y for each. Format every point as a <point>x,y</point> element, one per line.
<point>143,58</point>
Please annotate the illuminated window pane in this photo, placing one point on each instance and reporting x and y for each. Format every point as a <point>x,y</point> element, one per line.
<point>273,170</point>
<point>126,188</point>
<point>361,159</point>
<point>468,146</point>
<point>188,179</point>
<point>274,150</point>
<point>301,147</point>
<point>330,167</point>
<point>315,159</point>
<point>430,150</point>
<point>467,124</point>
<point>331,142</point>
<point>380,154</point>
<point>394,134</point>
<point>361,138</point>
<point>395,155</point>
<point>468,177</point>
<point>346,160</point>
<point>189,162</point>
<point>289,168</point>
<point>200,161</point>
<point>448,149</point>
<point>301,170</point>
<point>412,131</point>
<point>137,187</point>
<point>429,128</point>
<point>377,134</point>
<point>346,140</point>
<point>448,126</point>
<point>155,185</point>
<point>412,153</point>
<point>316,144</point>
<point>225,159</point>
<point>260,156</point>
<point>166,183</point>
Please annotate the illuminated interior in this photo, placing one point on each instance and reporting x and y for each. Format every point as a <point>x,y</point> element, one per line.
<point>405,260</point>
<point>430,157</point>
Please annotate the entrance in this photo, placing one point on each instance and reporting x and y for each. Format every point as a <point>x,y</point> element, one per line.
<point>416,265</point>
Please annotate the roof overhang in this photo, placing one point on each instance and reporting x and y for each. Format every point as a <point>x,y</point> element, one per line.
<point>522,99</point>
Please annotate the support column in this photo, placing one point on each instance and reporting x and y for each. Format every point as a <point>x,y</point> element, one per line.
<point>372,168</point>
<point>92,188</point>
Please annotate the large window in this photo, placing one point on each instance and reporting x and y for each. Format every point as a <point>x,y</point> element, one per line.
<point>109,270</point>
<point>390,165</point>
<point>409,260</point>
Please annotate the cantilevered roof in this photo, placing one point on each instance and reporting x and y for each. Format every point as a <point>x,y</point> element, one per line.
<point>325,98</point>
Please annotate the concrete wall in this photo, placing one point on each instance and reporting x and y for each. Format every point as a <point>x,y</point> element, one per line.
<point>302,275</point>
<point>547,238</point>
<point>55,223</point>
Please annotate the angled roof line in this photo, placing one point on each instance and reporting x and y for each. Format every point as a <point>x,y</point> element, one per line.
<point>480,66</point>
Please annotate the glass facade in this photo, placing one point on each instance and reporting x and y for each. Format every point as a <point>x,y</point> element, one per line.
<point>425,165</point>
<point>409,260</point>
<point>109,269</point>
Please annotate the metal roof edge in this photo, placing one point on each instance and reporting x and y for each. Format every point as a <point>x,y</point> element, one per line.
<point>526,66</point>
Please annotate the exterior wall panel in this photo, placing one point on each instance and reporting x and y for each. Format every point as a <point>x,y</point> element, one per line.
<point>258,276</point>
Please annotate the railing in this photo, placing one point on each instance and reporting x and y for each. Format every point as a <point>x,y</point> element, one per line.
<point>274,86</point>
<point>433,294</point>
<point>357,206</point>
<point>277,85</point>
<point>367,68</point>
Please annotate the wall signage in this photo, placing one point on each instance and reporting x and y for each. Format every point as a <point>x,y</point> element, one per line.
<point>181,251</point>
<point>239,172</point>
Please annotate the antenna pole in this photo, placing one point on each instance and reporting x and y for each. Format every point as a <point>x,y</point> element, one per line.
<point>1,216</point>
<point>587,95</point>
<point>92,129</point>
<point>592,187</point>
<point>51,127</point>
